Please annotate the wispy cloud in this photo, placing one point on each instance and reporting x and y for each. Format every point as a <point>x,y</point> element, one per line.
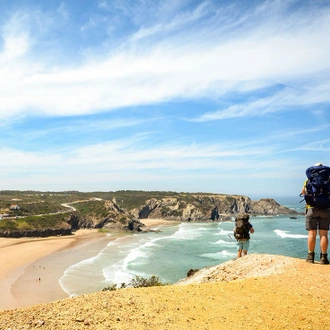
<point>287,99</point>
<point>163,72</point>
<point>178,93</point>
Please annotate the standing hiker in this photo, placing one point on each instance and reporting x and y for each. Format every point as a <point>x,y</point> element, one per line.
<point>316,191</point>
<point>242,231</point>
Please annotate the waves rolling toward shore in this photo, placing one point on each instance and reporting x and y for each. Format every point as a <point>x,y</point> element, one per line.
<point>179,247</point>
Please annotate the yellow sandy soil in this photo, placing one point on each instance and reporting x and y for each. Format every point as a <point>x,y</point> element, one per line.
<point>241,294</point>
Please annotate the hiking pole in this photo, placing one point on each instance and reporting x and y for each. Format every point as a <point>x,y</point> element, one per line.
<point>230,237</point>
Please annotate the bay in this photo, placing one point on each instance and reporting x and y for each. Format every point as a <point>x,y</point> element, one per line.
<point>179,247</point>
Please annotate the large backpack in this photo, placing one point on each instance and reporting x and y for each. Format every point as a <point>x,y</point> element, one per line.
<point>318,187</point>
<point>242,228</point>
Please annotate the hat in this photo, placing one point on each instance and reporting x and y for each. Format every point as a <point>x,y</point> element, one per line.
<point>318,164</point>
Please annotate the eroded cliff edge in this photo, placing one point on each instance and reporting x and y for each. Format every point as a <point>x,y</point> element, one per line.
<point>124,210</point>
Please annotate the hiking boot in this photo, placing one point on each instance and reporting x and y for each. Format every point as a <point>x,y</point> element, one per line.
<point>324,259</point>
<point>310,257</point>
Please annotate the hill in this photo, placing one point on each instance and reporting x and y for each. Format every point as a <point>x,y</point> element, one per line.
<point>254,292</point>
<point>27,213</point>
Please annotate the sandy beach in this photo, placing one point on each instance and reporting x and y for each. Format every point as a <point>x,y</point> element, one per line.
<point>31,267</point>
<point>22,256</point>
<point>155,222</point>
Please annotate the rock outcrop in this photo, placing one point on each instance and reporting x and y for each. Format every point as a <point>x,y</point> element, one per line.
<point>99,214</point>
<point>252,265</point>
<point>182,207</point>
<point>207,207</point>
<point>108,214</point>
<point>269,206</point>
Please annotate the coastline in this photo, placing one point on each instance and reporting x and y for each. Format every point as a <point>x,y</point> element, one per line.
<point>31,267</point>
<point>23,254</point>
<point>290,295</point>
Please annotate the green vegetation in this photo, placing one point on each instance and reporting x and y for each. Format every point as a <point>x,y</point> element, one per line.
<point>8,225</point>
<point>130,199</point>
<point>44,209</point>
<point>35,222</point>
<point>168,212</point>
<point>140,282</point>
<point>137,282</point>
<point>230,198</point>
<point>35,202</point>
<point>123,220</point>
<point>92,208</point>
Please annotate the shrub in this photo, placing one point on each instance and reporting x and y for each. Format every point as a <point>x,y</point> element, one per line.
<point>140,282</point>
<point>137,282</point>
<point>112,287</point>
<point>123,220</point>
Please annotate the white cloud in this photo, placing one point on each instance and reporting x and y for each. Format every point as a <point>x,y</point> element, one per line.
<point>252,61</point>
<point>287,99</point>
<point>162,72</point>
<point>133,155</point>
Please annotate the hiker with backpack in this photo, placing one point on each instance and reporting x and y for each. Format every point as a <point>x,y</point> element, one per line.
<point>316,192</point>
<point>243,229</point>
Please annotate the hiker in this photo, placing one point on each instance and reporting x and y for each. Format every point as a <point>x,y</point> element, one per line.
<point>316,191</point>
<point>242,231</point>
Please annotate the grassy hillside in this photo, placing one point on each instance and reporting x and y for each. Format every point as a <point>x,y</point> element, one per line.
<point>35,222</point>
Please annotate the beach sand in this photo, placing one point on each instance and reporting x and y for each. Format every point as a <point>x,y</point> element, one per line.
<point>31,267</point>
<point>155,222</point>
<point>26,260</point>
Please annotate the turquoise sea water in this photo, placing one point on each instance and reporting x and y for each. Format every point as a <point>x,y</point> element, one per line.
<point>182,246</point>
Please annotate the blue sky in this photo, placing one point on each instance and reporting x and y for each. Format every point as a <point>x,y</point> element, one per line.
<point>211,96</point>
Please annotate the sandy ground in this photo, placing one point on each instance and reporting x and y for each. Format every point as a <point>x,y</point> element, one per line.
<point>27,278</point>
<point>154,222</point>
<point>18,254</point>
<point>254,292</point>
<point>12,249</point>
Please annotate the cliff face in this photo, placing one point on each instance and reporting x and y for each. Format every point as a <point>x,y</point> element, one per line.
<point>268,206</point>
<point>190,207</point>
<point>108,214</point>
<point>99,214</point>
<point>207,207</point>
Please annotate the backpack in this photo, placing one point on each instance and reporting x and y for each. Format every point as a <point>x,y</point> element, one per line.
<point>318,187</point>
<point>242,228</point>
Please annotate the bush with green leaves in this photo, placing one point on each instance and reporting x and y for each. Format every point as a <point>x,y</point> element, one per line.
<point>141,282</point>
<point>137,282</point>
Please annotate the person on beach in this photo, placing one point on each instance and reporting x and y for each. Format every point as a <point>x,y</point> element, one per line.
<point>317,210</point>
<point>243,229</point>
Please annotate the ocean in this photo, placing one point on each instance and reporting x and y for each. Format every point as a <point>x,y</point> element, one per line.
<point>179,247</point>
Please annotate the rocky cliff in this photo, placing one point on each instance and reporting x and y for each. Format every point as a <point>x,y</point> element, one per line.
<point>182,207</point>
<point>207,207</point>
<point>124,215</point>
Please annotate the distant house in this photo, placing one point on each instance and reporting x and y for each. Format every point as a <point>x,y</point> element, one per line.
<point>14,207</point>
